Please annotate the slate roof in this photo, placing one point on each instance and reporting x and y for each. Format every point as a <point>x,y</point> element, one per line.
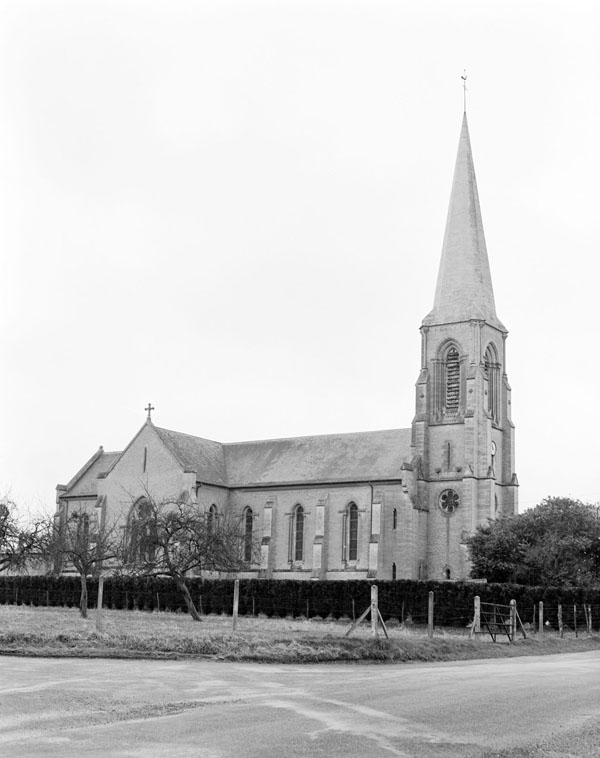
<point>85,481</point>
<point>464,286</point>
<point>205,457</point>
<point>328,458</point>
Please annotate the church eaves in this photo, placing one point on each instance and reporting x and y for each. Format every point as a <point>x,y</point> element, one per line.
<point>464,286</point>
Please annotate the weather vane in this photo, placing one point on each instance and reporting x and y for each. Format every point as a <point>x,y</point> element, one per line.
<point>464,80</point>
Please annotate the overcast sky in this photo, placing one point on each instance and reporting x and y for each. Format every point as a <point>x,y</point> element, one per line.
<point>235,210</point>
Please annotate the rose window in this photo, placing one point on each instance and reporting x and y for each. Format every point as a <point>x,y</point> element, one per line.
<point>449,501</point>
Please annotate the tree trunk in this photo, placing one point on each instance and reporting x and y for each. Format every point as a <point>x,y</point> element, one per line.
<point>83,600</point>
<point>188,598</point>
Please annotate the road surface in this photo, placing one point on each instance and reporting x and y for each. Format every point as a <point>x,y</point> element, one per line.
<point>517,707</point>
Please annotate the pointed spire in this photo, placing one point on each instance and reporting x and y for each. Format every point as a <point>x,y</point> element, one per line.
<point>464,286</point>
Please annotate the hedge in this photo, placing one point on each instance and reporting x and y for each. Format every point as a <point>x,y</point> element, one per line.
<point>404,600</point>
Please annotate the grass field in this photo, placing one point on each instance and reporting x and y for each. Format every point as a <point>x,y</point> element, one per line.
<point>39,631</point>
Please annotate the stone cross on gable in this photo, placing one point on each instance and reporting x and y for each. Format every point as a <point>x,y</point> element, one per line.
<point>149,408</point>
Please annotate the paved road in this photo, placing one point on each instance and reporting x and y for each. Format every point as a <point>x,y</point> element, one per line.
<point>542,706</point>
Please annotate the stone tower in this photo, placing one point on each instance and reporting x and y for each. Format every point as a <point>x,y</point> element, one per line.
<point>462,433</point>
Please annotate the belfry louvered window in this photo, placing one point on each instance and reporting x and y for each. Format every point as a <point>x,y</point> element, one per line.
<point>452,381</point>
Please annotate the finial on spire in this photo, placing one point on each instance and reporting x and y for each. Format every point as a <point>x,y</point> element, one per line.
<point>464,81</point>
<point>149,408</point>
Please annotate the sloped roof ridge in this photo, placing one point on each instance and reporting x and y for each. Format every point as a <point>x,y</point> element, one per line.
<point>95,468</point>
<point>84,469</point>
<point>312,436</point>
<point>325,458</point>
<point>186,434</point>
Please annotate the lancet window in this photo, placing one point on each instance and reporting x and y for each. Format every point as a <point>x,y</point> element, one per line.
<point>248,528</point>
<point>350,535</point>
<point>448,383</point>
<point>141,533</point>
<point>452,381</point>
<point>296,551</point>
<point>83,528</point>
<point>211,518</point>
<point>492,372</point>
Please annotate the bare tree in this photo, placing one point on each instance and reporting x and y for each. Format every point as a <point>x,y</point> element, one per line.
<point>85,543</point>
<point>175,538</point>
<point>21,539</point>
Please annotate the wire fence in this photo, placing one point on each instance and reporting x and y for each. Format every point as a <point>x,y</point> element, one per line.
<point>404,602</point>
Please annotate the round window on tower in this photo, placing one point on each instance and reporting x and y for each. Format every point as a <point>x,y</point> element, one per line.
<point>449,501</point>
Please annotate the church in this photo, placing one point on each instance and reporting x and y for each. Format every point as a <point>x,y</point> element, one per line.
<point>392,504</point>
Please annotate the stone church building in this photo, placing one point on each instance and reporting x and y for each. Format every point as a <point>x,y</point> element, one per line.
<point>387,504</point>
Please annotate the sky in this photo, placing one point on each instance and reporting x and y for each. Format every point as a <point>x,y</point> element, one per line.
<point>234,210</point>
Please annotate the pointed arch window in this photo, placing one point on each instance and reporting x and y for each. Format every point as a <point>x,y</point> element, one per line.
<point>448,383</point>
<point>452,388</point>
<point>211,518</point>
<point>350,533</point>
<point>248,529</point>
<point>492,372</point>
<point>83,528</point>
<point>141,530</point>
<point>296,551</point>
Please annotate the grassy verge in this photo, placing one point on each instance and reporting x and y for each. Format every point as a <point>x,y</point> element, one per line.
<point>59,632</point>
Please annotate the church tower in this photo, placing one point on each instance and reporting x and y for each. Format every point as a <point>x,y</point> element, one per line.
<point>462,433</point>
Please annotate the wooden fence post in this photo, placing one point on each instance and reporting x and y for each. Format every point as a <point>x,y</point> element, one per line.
<point>374,611</point>
<point>575,618</point>
<point>236,600</point>
<point>430,616</point>
<point>560,621</point>
<point>587,609</point>
<point>99,619</point>
<point>513,620</point>
<point>541,618</point>
<point>477,615</point>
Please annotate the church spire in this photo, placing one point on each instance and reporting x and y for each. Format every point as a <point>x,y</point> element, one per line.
<point>464,286</point>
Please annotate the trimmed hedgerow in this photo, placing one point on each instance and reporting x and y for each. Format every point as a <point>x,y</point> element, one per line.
<point>404,600</point>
